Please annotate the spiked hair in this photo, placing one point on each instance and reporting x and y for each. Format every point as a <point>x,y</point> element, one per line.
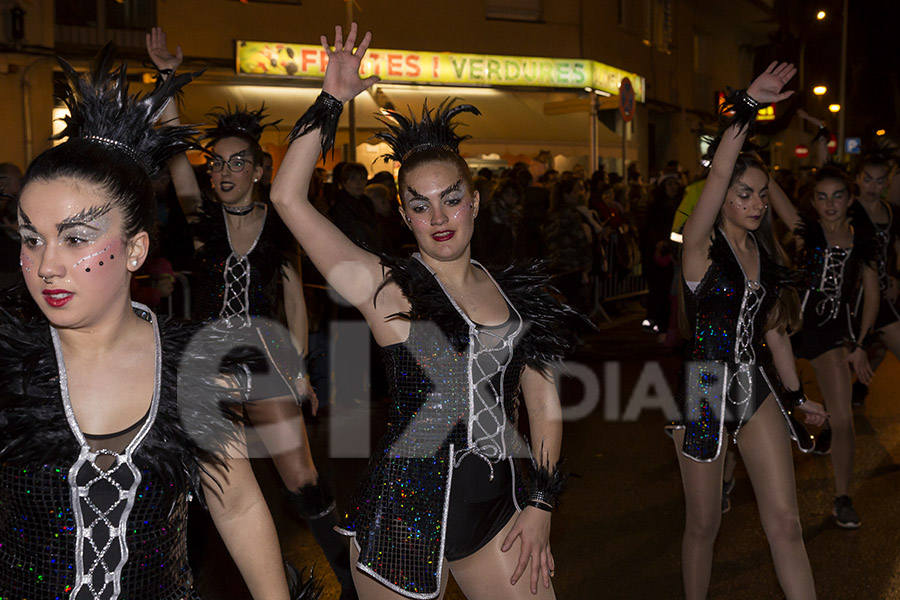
<point>435,129</point>
<point>238,122</point>
<point>102,111</point>
<point>112,143</point>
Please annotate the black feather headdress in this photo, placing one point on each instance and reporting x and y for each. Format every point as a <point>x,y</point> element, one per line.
<point>238,121</point>
<point>435,129</point>
<point>101,110</point>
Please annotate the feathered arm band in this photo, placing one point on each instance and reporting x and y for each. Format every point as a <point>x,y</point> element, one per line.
<point>546,485</point>
<point>322,115</point>
<point>743,107</point>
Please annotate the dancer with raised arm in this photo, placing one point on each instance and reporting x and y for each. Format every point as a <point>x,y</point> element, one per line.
<point>739,359</point>
<point>110,420</point>
<point>244,256</point>
<point>461,346</point>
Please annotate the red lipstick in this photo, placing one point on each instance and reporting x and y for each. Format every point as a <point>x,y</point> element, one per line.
<point>442,236</point>
<point>57,298</point>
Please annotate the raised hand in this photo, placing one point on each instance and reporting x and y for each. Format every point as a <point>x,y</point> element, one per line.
<point>342,74</point>
<point>159,53</point>
<point>767,87</point>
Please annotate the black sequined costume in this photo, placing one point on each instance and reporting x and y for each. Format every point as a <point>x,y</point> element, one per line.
<point>729,369</point>
<point>83,523</point>
<point>439,418</point>
<point>886,235</point>
<point>831,275</point>
<point>240,294</point>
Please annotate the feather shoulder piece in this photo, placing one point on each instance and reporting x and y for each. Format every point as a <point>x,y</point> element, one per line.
<point>551,324</point>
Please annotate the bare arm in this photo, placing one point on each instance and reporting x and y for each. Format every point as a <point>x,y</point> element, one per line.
<point>894,188</point>
<point>858,358</point>
<point>186,188</point>
<point>245,524</point>
<point>354,273</point>
<point>699,226</point>
<point>783,206</point>
<point>533,525</point>
<point>783,358</point>
<point>819,148</point>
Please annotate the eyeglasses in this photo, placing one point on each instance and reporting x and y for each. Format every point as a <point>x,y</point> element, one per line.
<point>235,164</point>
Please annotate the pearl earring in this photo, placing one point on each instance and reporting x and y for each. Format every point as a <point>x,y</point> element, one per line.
<point>133,262</point>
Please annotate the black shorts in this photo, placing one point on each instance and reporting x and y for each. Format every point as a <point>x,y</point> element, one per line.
<point>479,507</point>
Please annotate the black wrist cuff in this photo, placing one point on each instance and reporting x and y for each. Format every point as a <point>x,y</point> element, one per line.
<point>744,108</point>
<point>323,115</point>
<point>796,397</point>
<point>546,485</point>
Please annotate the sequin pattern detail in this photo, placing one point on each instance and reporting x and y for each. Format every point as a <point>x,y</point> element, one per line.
<point>398,513</point>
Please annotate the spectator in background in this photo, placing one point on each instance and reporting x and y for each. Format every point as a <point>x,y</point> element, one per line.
<point>535,207</point>
<point>265,180</point>
<point>396,236</point>
<point>10,180</point>
<point>568,239</point>
<point>352,211</point>
<point>495,240</point>
<point>656,253</point>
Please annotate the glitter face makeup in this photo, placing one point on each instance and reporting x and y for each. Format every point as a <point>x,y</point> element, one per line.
<point>746,201</point>
<point>440,210</point>
<point>72,251</point>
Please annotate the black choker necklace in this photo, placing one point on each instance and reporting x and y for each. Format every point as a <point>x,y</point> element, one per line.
<point>240,212</point>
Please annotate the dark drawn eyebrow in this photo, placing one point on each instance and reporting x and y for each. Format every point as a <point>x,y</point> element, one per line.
<point>83,218</point>
<point>25,218</point>
<point>452,188</point>
<point>416,195</point>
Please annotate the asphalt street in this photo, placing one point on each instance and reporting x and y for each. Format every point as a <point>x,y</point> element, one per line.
<point>617,534</point>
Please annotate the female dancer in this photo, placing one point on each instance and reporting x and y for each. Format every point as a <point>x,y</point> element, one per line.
<point>458,349</point>
<point>834,257</point>
<point>244,252</point>
<point>103,443</point>
<point>737,311</point>
<point>874,217</point>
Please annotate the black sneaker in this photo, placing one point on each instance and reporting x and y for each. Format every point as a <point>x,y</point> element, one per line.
<point>844,514</point>
<point>727,486</point>
<point>860,391</point>
<point>822,446</point>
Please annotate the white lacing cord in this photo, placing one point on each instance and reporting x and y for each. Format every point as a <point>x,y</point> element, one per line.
<point>831,282</point>
<point>744,354</point>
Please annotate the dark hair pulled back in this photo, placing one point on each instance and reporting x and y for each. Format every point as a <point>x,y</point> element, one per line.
<point>125,183</point>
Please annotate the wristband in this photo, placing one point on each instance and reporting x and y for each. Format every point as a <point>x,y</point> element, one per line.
<point>796,397</point>
<point>322,115</point>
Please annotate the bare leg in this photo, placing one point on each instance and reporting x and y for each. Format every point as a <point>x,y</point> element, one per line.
<point>890,335</point>
<point>833,376</point>
<point>279,423</point>
<point>730,464</point>
<point>369,588</point>
<point>766,451</point>
<point>485,575</point>
<point>702,484</point>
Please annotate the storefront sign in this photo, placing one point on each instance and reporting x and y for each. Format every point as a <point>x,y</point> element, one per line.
<point>446,68</point>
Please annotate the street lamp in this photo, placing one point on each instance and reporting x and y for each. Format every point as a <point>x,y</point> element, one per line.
<point>821,15</point>
<point>820,90</point>
<point>834,108</point>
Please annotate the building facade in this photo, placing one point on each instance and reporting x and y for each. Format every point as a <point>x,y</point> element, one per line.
<point>680,51</point>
